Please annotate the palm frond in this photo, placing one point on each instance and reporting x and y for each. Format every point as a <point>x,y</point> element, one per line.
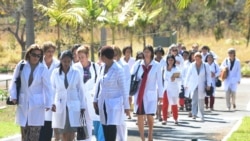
<point>182,4</point>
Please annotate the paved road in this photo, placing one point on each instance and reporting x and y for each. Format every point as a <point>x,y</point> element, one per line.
<point>217,123</point>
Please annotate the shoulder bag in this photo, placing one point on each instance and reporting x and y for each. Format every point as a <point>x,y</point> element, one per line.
<point>18,86</point>
<point>134,83</point>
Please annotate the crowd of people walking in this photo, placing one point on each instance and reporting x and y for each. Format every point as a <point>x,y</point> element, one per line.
<point>56,93</point>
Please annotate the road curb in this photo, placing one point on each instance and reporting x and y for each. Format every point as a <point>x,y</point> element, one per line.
<point>235,127</point>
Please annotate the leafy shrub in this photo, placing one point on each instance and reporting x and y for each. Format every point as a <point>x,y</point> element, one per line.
<point>245,70</point>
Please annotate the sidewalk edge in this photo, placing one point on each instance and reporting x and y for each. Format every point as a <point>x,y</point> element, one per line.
<point>12,138</point>
<point>235,127</point>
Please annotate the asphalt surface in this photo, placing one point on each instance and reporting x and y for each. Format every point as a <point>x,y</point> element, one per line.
<point>217,124</point>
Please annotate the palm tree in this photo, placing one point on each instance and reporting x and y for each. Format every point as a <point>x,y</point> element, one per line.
<point>56,13</point>
<point>142,19</point>
<point>90,10</point>
<point>116,14</point>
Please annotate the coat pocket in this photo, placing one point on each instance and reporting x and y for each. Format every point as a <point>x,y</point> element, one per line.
<point>37,101</point>
<point>74,106</point>
<point>115,103</point>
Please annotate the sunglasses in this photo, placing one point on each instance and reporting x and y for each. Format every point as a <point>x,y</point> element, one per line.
<point>36,55</point>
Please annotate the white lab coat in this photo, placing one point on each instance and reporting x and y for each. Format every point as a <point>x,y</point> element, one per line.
<point>72,97</point>
<point>153,89</point>
<point>234,75</point>
<point>33,99</point>
<point>215,68</point>
<point>184,74</point>
<point>194,80</point>
<point>172,87</point>
<point>113,93</point>
<point>89,89</point>
<point>122,131</point>
<point>130,62</point>
<point>55,63</point>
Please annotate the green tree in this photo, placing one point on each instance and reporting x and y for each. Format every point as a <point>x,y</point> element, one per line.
<point>143,19</point>
<point>90,10</point>
<point>57,13</point>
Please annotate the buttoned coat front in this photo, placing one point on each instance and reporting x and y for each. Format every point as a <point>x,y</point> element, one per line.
<point>234,75</point>
<point>194,80</point>
<point>154,86</point>
<point>33,99</point>
<point>72,97</point>
<point>113,93</point>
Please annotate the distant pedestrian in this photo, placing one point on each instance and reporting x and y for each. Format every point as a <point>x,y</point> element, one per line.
<point>127,52</point>
<point>35,93</point>
<point>198,79</point>
<point>215,73</point>
<point>233,79</point>
<point>51,63</point>
<point>171,77</point>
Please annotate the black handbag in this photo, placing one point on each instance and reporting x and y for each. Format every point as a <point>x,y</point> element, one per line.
<point>217,80</point>
<point>18,86</point>
<point>211,90</point>
<point>134,83</point>
<point>82,131</point>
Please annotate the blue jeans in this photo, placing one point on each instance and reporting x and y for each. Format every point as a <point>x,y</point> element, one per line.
<point>98,131</point>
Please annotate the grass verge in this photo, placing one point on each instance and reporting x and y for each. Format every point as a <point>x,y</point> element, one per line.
<point>243,132</point>
<point>7,122</point>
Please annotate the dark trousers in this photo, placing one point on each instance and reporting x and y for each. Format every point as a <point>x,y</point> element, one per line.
<point>108,130</point>
<point>46,132</point>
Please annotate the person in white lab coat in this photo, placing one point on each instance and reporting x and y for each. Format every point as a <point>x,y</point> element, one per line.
<point>51,63</point>
<point>233,78</point>
<point>127,53</point>
<point>159,53</point>
<point>122,131</point>
<point>112,99</point>
<point>73,50</point>
<point>35,94</point>
<point>187,93</point>
<point>68,100</point>
<point>89,71</point>
<point>146,97</point>
<point>215,73</point>
<point>196,81</point>
<point>171,77</point>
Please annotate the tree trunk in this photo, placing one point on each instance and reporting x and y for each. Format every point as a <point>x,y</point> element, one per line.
<point>113,35</point>
<point>30,35</point>
<point>92,42</point>
<point>248,34</point>
<point>58,39</point>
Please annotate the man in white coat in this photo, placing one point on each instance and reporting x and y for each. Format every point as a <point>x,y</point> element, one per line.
<point>233,78</point>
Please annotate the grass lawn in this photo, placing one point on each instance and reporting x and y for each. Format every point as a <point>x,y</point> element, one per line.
<point>7,122</point>
<point>243,132</point>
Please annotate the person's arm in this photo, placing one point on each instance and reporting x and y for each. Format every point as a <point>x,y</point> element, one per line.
<point>12,88</point>
<point>238,71</point>
<point>53,87</point>
<point>159,81</point>
<point>217,69</point>
<point>123,86</point>
<point>208,76</point>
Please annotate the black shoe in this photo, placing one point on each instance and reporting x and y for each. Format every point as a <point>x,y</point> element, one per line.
<point>181,108</point>
<point>160,119</point>
<point>234,106</point>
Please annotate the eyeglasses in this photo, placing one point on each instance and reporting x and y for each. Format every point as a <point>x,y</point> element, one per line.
<point>36,55</point>
<point>174,50</point>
